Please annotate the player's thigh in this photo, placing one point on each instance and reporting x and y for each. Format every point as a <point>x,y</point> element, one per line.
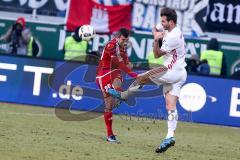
<point>117,83</point>
<point>141,80</point>
<point>175,87</point>
<point>153,75</point>
<point>172,92</point>
<point>171,76</point>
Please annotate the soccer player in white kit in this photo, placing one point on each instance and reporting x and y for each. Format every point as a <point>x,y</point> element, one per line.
<point>172,75</point>
<point>173,52</point>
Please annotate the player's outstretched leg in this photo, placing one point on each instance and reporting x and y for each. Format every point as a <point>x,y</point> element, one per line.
<point>114,93</point>
<point>144,78</point>
<point>131,90</point>
<point>123,96</point>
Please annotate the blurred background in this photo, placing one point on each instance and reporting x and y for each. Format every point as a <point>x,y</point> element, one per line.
<point>210,27</point>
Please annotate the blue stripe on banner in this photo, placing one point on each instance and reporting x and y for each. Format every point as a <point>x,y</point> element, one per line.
<point>101,2</point>
<point>115,2</point>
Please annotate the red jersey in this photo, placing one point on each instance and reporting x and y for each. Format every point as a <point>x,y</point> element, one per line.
<point>113,61</point>
<point>114,57</point>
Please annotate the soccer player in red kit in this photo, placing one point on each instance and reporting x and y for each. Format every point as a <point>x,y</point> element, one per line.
<point>113,61</point>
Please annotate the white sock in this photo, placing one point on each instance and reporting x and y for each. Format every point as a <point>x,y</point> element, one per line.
<point>172,122</point>
<point>130,91</point>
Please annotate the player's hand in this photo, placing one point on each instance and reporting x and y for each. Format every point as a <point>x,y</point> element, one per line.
<point>133,74</point>
<point>130,65</point>
<point>154,29</point>
<point>158,35</point>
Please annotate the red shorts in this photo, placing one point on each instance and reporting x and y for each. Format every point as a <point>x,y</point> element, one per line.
<point>105,79</point>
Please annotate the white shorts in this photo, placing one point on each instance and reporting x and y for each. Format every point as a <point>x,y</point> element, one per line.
<point>172,81</point>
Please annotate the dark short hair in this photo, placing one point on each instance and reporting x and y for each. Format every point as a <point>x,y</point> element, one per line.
<point>124,32</point>
<point>170,14</point>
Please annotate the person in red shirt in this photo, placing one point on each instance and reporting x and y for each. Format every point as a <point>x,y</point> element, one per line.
<point>113,62</point>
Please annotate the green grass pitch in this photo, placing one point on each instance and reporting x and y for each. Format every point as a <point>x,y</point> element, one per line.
<point>35,133</point>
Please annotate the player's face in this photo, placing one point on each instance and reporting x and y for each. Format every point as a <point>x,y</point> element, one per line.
<point>123,41</point>
<point>165,23</point>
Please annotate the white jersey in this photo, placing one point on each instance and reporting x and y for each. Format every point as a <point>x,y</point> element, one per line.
<point>174,45</point>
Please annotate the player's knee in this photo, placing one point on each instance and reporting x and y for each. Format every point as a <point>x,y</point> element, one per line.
<point>170,105</point>
<point>108,109</point>
<point>117,82</point>
<point>171,101</point>
<point>108,104</point>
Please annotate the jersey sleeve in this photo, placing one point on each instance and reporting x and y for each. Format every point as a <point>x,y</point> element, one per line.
<point>171,43</point>
<point>122,65</point>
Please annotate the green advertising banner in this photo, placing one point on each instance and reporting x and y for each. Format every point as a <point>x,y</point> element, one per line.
<point>47,35</point>
<point>230,50</point>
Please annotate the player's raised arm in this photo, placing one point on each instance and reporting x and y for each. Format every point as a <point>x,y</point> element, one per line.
<point>119,63</point>
<point>120,58</point>
<point>158,36</point>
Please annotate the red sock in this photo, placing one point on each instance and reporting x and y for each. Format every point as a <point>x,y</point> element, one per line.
<point>108,122</point>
